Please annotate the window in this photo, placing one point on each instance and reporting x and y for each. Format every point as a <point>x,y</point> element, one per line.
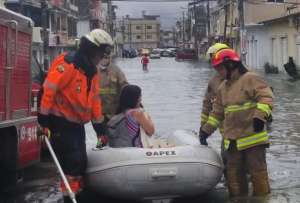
<point>276,1</point>
<point>149,36</point>
<point>138,37</point>
<point>149,27</point>
<point>138,27</point>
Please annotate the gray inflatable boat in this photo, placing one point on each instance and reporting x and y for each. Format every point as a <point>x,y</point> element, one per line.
<point>186,169</point>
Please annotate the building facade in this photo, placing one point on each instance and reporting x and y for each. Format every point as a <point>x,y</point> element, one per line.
<point>270,36</point>
<point>57,17</point>
<point>141,33</point>
<point>167,38</point>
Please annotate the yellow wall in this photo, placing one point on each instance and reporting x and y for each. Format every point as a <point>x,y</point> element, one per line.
<point>282,28</point>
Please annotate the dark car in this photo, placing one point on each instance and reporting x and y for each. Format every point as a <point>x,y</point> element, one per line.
<point>167,53</point>
<point>186,54</point>
<point>130,53</point>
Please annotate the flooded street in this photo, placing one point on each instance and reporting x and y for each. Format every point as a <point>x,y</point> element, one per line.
<point>172,94</point>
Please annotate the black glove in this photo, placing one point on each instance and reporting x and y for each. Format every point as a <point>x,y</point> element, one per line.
<point>258,125</point>
<point>202,137</point>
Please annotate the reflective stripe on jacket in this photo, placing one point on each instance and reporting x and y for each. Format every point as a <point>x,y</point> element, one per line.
<point>238,101</point>
<point>66,94</point>
<point>251,140</point>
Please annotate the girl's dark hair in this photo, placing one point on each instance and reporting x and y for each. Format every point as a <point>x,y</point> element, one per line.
<point>129,97</point>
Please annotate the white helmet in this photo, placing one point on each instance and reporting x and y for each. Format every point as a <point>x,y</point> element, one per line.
<point>99,37</point>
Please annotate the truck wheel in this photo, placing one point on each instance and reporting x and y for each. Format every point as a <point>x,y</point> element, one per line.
<point>9,175</point>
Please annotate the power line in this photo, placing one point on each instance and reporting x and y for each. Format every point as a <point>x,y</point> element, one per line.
<point>264,2</point>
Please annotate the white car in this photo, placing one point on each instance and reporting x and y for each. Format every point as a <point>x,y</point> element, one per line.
<point>155,54</point>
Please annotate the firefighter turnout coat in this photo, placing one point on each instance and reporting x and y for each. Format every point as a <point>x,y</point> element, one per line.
<point>69,94</point>
<point>112,79</point>
<point>238,101</point>
<point>210,97</point>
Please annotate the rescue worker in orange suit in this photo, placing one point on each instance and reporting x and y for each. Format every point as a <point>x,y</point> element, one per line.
<point>211,92</point>
<point>244,102</point>
<point>70,100</point>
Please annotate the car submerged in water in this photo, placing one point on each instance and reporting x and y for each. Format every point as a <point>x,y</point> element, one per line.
<point>186,54</point>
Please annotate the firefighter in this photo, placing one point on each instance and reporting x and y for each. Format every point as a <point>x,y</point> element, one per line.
<point>210,94</point>
<point>112,80</point>
<point>70,99</point>
<point>243,103</point>
<point>213,84</point>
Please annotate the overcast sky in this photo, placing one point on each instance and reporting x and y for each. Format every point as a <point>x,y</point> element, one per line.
<point>169,11</point>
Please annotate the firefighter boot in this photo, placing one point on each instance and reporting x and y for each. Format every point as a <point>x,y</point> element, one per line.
<point>236,182</point>
<point>260,183</point>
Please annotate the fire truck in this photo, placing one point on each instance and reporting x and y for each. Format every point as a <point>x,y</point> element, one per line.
<point>19,143</point>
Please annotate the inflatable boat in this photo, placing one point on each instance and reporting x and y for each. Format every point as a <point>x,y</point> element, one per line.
<point>183,167</point>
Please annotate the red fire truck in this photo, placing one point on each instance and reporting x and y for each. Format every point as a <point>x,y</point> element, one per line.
<point>19,144</point>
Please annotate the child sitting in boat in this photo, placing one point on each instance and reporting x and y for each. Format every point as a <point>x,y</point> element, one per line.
<point>124,129</point>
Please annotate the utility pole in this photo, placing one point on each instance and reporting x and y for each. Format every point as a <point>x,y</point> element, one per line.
<point>208,21</point>
<point>44,7</point>
<point>123,34</point>
<point>130,34</point>
<point>194,29</point>
<point>225,21</point>
<point>183,28</point>
<point>242,30</point>
<point>109,13</point>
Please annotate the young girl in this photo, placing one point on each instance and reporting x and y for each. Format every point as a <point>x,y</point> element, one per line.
<point>136,117</point>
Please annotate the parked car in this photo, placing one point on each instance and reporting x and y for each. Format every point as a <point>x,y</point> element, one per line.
<point>186,54</point>
<point>130,53</point>
<point>155,54</point>
<point>167,53</point>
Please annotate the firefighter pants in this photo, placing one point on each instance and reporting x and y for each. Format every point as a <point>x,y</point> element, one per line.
<point>69,145</point>
<point>238,163</point>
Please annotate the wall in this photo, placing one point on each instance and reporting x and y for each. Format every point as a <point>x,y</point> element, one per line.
<point>83,27</point>
<point>283,34</point>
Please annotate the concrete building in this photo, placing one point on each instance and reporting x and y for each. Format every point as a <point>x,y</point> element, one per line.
<point>92,14</point>
<point>58,17</point>
<point>266,39</point>
<point>141,32</point>
<point>167,38</point>
<point>274,41</point>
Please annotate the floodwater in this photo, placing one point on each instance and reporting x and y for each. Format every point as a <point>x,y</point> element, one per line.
<point>172,94</point>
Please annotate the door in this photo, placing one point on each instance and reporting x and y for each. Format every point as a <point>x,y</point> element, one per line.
<point>298,50</point>
<point>274,52</point>
<point>284,50</point>
<point>3,36</point>
<point>21,74</point>
<point>255,55</point>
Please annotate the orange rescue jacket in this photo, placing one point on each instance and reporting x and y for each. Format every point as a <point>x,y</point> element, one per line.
<point>66,94</point>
